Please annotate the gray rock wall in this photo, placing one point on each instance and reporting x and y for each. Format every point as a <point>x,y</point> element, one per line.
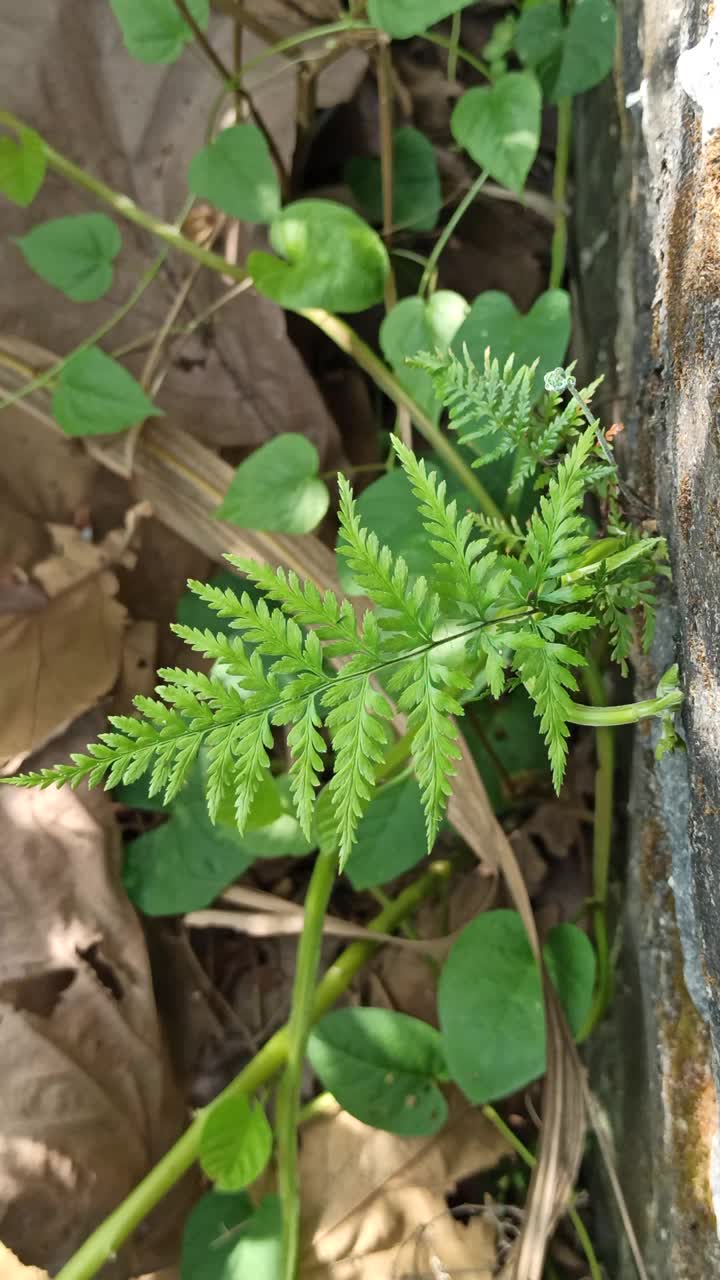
<point>651,191</point>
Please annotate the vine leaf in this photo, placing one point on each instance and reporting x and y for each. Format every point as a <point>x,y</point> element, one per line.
<point>417,195</point>
<point>236,1143</point>
<point>235,172</point>
<point>22,166</point>
<point>74,254</point>
<point>567,58</point>
<point>155,30</point>
<point>328,258</point>
<point>499,126</point>
<point>277,488</point>
<point>95,395</point>
<point>404,18</point>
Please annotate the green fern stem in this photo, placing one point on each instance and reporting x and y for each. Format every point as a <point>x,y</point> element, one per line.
<point>337,330</point>
<point>602,840</point>
<point>625,713</point>
<point>298,1029</point>
<point>103,1244</point>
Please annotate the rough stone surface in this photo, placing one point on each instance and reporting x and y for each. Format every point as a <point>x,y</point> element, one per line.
<point>657,1066</point>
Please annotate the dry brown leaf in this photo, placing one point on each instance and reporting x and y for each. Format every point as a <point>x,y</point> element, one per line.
<point>87,1103</point>
<point>11,1268</point>
<point>56,663</point>
<point>137,670</point>
<point>374,1204</point>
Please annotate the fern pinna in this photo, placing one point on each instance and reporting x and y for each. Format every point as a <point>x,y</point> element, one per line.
<point>303,659</point>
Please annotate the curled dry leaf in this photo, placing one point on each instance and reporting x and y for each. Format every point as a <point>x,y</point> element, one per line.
<point>374,1204</point>
<point>88,1104</point>
<point>60,658</point>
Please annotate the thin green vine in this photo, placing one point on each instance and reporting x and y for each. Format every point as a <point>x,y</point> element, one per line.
<point>298,1029</point>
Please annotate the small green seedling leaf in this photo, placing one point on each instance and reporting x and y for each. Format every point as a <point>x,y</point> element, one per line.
<point>22,166</point>
<point>417,196</point>
<point>183,865</point>
<point>329,258</point>
<point>95,396</point>
<point>236,174</point>
<point>391,836</point>
<point>499,127</point>
<point>404,18</point>
<point>567,59</point>
<point>155,30</point>
<point>74,254</point>
<point>490,1002</point>
<point>236,1143</point>
<point>414,325</point>
<point>494,321</point>
<point>381,1066</point>
<point>226,1239</point>
<point>277,488</point>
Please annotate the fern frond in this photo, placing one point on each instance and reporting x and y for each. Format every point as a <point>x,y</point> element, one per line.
<point>408,609</point>
<point>492,407</point>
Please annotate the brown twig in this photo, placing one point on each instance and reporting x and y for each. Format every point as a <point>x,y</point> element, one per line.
<point>229,79</point>
<point>385,102</point>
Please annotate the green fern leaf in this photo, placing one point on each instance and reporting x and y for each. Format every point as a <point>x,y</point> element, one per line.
<point>408,610</point>
<point>358,724</point>
<point>557,534</point>
<point>545,670</point>
<point>307,746</point>
<point>334,620</point>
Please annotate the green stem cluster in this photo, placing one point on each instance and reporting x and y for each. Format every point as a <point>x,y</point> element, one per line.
<point>107,1239</point>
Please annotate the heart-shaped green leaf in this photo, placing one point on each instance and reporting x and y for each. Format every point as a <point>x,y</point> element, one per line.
<point>495,322</point>
<point>414,325</point>
<point>155,30</point>
<point>567,59</point>
<point>95,396</point>
<point>236,174</point>
<point>330,258</point>
<point>390,837</point>
<point>490,1001</point>
<point>74,254</point>
<point>499,126</point>
<point>22,166</point>
<point>404,18</point>
<point>226,1239</point>
<point>236,1143</point>
<point>417,197</point>
<point>277,488</point>
<point>381,1066</point>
